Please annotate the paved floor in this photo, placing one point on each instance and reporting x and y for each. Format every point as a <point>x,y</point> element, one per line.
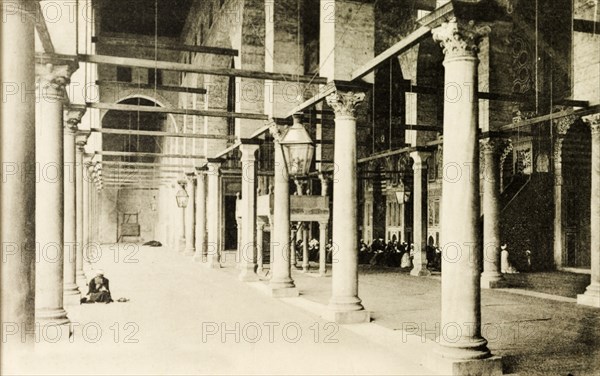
<point>534,336</point>
<point>185,319</point>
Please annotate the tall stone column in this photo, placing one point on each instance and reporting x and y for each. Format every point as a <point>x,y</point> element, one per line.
<point>591,296</point>
<point>71,290</point>
<point>305,264</point>
<point>260,228</point>
<point>281,283</point>
<point>249,182</point>
<point>213,213</point>
<point>200,255</point>
<point>87,248</point>
<point>49,192</point>
<point>491,276</point>
<point>461,337</point>
<point>190,216</point>
<point>80,141</point>
<point>295,235</point>
<point>561,127</point>
<point>345,305</point>
<point>17,150</point>
<point>182,219</point>
<point>420,213</point>
<point>323,229</point>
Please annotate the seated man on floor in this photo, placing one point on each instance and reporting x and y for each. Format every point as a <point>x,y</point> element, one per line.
<point>98,292</point>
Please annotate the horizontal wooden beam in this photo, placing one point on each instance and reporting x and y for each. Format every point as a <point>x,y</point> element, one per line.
<point>143,164</point>
<point>125,42</point>
<point>181,67</point>
<point>552,116</point>
<point>141,154</point>
<point>179,111</point>
<point>161,134</point>
<point>179,89</point>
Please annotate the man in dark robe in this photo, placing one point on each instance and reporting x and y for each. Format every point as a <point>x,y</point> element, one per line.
<point>99,291</point>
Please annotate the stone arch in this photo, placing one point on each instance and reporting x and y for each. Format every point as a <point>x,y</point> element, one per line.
<point>156,98</point>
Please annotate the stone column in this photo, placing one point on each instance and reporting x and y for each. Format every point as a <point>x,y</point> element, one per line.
<point>181,225</point>
<point>87,248</point>
<point>17,137</point>
<point>81,141</point>
<point>591,296</point>
<point>213,213</point>
<point>420,213</point>
<point>260,228</point>
<point>345,305</point>
<point>200,255</point>
<point>248,239</point>
<point>238,252</point>
<point>71,290</point>
<point>324,184</point>
<point>461,338</point>
<point>281,283</point>
<point>305,264</point>
<point>190,216</point>
<point>561,127</point>
<point>491,276</point>
<point>295,235</point>
<point>323,229</point>
<point>49,192</point>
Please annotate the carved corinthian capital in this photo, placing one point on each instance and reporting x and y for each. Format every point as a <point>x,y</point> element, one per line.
<point>54,76</point>
<point>563,124</point>
<point>460,39</point>
<point>72,118</point>
<point>344,103</point>
<point>593,121</point>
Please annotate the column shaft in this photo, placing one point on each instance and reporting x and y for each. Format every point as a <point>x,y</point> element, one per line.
<point>200,218</point>
<point>461,311</point>
<point>248,231</point>
<point>323,229</point>
<point>213,215</point>
<point>49,200</point>
<point>491,277</point>
<point>260,227</point>
<point>344,290</point>
<point>71,290</point>
<point>190,218</point>
<point>17,137</point>
<point>591,296</point>
<point>305,264</point>
<point>420,214</point>
<point>80,275</point>
<point>281,278</point>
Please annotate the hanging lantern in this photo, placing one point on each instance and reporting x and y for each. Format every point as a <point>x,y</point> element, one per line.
<point>298,149</point>
<point>182,196</point>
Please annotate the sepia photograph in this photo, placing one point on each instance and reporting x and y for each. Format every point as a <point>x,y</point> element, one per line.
<point>300,187</point>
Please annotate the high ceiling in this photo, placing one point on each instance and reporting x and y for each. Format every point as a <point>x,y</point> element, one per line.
<point>138,16</point>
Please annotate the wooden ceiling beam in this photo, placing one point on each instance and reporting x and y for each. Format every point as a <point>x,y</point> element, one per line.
<point>126,42</point>
<point>190,68</point>
<point>161,134</point>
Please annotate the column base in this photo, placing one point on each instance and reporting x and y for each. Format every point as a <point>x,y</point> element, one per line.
<point>50,333</point>
<point>71,298</point>
<point>305,268</point>
<point>493,281</point>
<point>181,245</point>
<point>491,366</point>
<point>190,252</point>
<point>198,257</point>
<point>591,297</point>
<point>323,273</point>
<point>81,278</point>
<point>211,264</point>
<point>248,274</point>
<point>348,317</point>
<point>420,272</point>
<point>56,316</point>
<point>284,292</point>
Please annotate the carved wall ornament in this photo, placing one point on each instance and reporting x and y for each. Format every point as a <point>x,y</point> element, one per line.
<point>344,103</point>
<point>274,130</point>
<point>458,38</point>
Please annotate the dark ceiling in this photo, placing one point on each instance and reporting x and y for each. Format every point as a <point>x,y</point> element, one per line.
<point>138,16</point>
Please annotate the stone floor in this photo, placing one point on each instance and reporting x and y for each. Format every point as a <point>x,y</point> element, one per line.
<point>185,319</point>
<point>534,336</point>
